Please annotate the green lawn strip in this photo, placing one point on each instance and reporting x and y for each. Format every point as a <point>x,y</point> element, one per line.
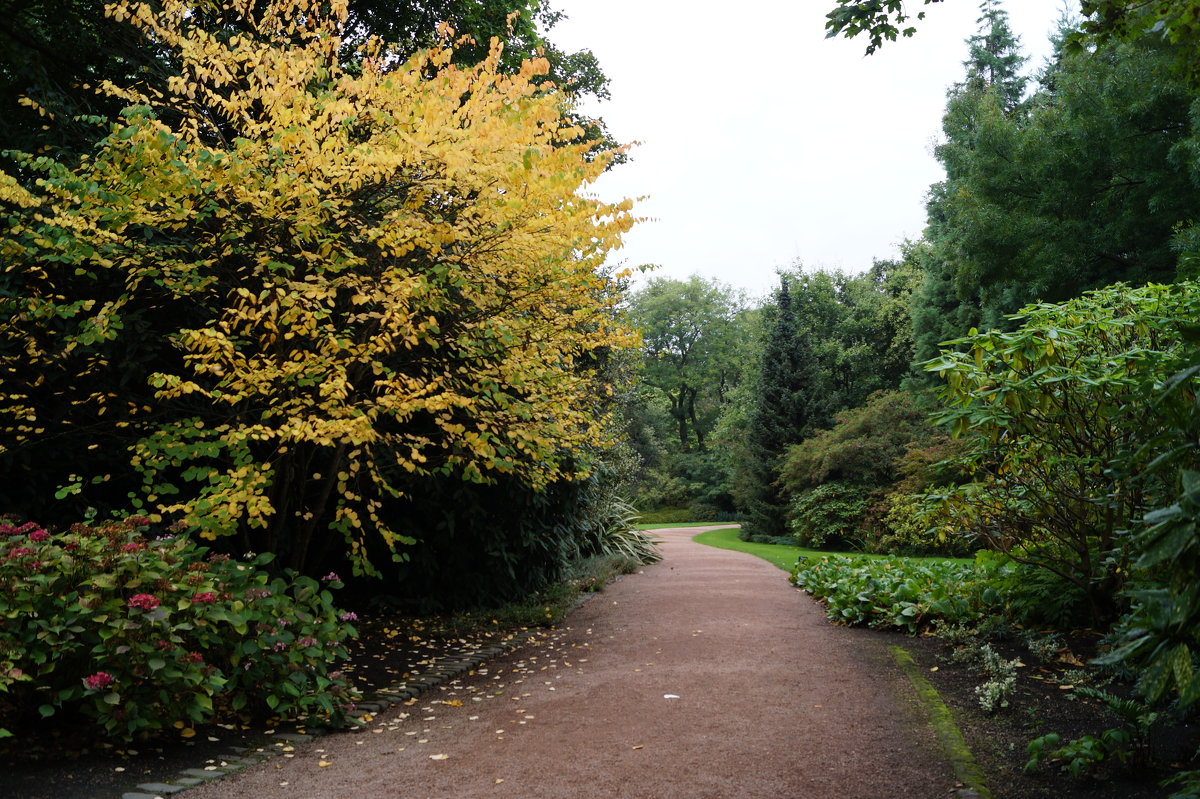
<point>966,768</point>
<point>666,526</point>
<point>782,556</point>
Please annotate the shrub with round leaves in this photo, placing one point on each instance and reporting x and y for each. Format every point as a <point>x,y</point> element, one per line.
<point>144,635</point>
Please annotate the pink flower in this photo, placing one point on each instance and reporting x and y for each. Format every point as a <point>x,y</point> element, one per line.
<point>143,601</point>
<point>140,521</point>
<point>192,657</point>
<point>350,616</point>
<point>204,597</point>
<point>310,641</point>
<point>38,535</point>
<point>332,577</point>
<point>101,679</point>
<point>19,552</point>
<point>131,547</point>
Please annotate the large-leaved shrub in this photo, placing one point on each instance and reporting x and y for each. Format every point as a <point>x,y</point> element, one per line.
<point>894,592</point>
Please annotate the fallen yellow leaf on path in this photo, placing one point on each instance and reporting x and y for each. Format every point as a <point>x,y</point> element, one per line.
<point>439,757</point>
<point>323,763</point>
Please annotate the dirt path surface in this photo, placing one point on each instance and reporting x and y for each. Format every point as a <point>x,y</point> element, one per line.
<point>705,676</point>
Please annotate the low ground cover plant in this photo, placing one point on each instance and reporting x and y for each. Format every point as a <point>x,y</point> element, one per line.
<point>909,593</point>
<point>143,634</point>
<point>894,592</point>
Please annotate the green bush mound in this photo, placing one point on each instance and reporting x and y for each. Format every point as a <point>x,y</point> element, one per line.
<point>143,635</point>
<point>678,515</point>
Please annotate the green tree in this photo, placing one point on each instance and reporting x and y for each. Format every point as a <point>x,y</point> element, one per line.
<point>994,58</point>
<point>695,337</point>
<point>1175,22</point>
<point>1089,189</point>
<point>789,395</point>
<point>861,329</point>
<point>948,302</point>
<point>691,343</point>
<point>831,341</point>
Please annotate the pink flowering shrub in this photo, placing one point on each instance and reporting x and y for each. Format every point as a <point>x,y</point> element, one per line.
<point>140,634</point>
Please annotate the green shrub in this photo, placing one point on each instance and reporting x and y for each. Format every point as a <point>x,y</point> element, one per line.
<point>912,528</point>
<point>1057,415</point>
<point>667,516</point>
<point>864,447</point>
<point>141,635</point>
<point>830,515</point>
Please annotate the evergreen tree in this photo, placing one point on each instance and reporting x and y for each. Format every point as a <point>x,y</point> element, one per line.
<point>994,58</point>
<point>947,304</point>
<point>788,404</point>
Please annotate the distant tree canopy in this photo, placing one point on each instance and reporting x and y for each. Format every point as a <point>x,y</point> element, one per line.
<point>691,344</point>
<point>833,339</point>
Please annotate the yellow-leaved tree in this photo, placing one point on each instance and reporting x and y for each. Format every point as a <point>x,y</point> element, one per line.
<point>280,287</point>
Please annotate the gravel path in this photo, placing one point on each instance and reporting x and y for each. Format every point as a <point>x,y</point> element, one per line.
<point>705,676</point>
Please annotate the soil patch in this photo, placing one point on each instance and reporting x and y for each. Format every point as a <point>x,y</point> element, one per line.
<point>1043,703</point>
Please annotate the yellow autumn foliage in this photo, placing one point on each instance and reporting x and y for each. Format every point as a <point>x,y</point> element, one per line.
<point>364,274</point>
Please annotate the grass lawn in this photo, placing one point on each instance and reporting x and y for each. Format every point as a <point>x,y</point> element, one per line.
<point>683,524</point>
<point>782,556</point>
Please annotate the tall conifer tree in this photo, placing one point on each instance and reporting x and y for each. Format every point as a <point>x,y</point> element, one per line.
<point>947,304</point>
<point>789,393</point>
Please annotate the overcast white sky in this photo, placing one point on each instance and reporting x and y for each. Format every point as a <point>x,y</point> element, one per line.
<point>763,143</point>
